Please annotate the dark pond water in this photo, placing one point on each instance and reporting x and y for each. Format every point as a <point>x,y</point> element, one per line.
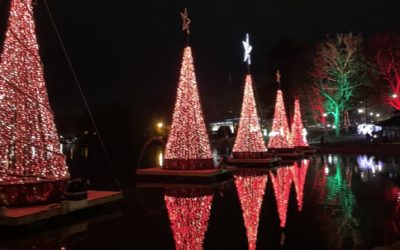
<point>325,202</point>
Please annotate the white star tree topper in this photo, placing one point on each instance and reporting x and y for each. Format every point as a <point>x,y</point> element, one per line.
<point>247,50</point>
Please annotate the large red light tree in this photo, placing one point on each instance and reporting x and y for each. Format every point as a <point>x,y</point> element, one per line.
<point>251,188</point>
<point>386,53</point>
<point>188,145</point>
<point>188,212</point>
<point>29,143</point>
<point>249,137</point>
<point>298,133</point>
<point>279,137</point>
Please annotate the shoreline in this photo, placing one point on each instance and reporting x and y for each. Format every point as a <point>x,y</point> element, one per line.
<point>349,148</point>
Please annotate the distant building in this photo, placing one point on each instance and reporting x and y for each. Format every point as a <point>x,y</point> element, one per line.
<point>215,126</point>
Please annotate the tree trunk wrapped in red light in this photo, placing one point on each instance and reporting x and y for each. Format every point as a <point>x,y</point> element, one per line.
<point>188,212</point>
<point>281,183</point>
<point>251,188</point>
<point>188,145</point>
<point>298,136</point>
<point>279,137</point>
<point>29,144</point>
<point>249,139</point>
<point>299,178</point>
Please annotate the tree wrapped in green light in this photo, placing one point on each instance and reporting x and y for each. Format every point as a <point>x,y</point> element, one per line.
<point>339,68</point>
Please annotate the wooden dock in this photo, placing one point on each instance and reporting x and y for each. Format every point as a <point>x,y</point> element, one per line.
<point>15,216</point>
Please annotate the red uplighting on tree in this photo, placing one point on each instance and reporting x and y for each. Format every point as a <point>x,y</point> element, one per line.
<point>29,145</point>
<point>387,60</point>
<point>298,132</point>
<point>281,183</point>
<point>189,215</point>
<point>299,178</point>
<point>316,105</point>
<point>188,145</point>
<point>279,137</point>
<point>251,188</point>
<point>249,136</point>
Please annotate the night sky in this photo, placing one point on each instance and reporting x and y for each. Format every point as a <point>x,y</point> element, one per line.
<point>127,54</point>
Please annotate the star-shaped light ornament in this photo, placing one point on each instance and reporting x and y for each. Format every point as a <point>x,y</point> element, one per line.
<point>247,50</point>
<point>185,21</point>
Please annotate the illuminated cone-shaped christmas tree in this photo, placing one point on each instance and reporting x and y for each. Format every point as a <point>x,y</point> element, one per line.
<point>249,137</point>
<point>298,132</point>
<point>188,146</point>
<point>281,183</point>
<point>251,188</point>
<point>299,178</point>
<point>279,137</point>
<point>188,213</point>
<point>29,143</point>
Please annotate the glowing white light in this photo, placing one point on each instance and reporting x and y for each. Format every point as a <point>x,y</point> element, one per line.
<point>324,114</point>
<point>371,113</point>
<point>360,111</point>
<point>364,129</point>
<point>247,50</point>
<point>377,115</point>
<point>330,160</point>
<point>160,159</point>
<point>394,96</point>
<point>273,133</point>
<point>304,134</point>
<point>369,163</point>
<point>326,170</point>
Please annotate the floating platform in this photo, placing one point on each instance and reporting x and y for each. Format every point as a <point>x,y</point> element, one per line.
<point>15,216</point>
<point>306,150</point>
<point>290,156</point>
<point>203,174</point>
<point>253,163</point>
<point>213,185</point>
<point>286,153</point>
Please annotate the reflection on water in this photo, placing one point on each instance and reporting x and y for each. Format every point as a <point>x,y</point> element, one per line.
<point>325,202</point>
<point>341,202</point>
<point>281,180</point>
<point>188,212</point>
<point>299,178</point>
<point>250,186</point>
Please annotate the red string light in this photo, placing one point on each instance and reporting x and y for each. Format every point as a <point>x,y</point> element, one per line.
<point>298,132</point>
<point>280,134</point>
<point>249,136</point>
<point>29,143</point>
<point>189,219</point>
<point>299,178</point>
<point>251,188</point>
<point>188,145</point>
<point>281,183</point>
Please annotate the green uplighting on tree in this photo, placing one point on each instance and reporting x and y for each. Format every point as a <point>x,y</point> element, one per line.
<point>339,68</point>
